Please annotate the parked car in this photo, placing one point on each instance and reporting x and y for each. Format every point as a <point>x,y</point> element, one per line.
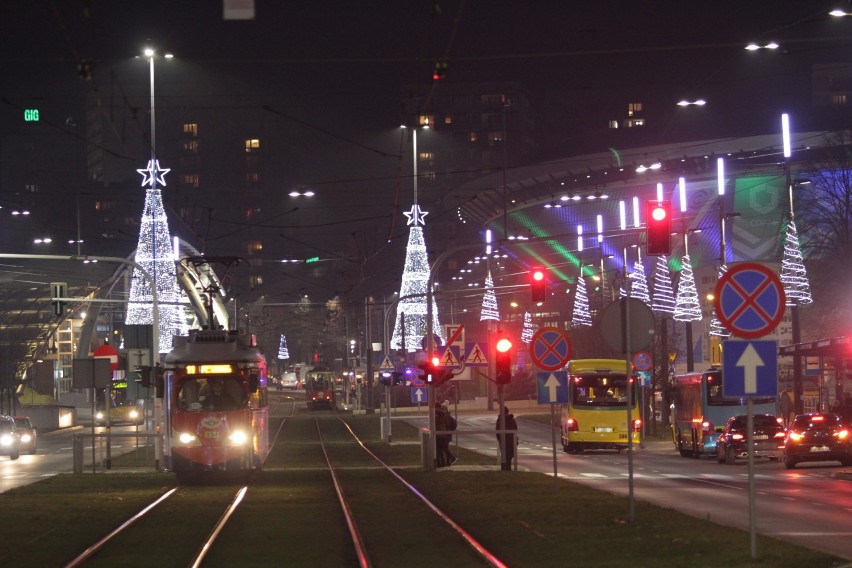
<point>27,434</point>
<point>768,434</point>
<point>9,438</point>
<point>818,437</point>
<point>125,413</point>
<point>289,381</point>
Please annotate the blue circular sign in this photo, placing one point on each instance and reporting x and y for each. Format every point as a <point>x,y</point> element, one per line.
<point>749,300</point>
<point>550,348</point>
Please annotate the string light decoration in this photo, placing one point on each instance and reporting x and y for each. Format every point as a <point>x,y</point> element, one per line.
<point>581,315</point>
<point>687,307</point>
<point>794,276</point>
<point>154,254</point>
<point>639,283</point>
<point>663,300</point>
<point>527,332</point>
<point>283,352</point>
<point>411,309</point>
<point>490,311</point>
<point>716,327</point>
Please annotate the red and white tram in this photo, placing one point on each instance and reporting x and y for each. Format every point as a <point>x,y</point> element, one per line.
<point>216,404</point>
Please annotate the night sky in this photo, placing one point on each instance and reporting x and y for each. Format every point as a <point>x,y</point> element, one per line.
<point>332,72</point>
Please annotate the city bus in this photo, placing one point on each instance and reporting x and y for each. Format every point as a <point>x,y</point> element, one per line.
<point>595,416</point>
<point>700,411</point>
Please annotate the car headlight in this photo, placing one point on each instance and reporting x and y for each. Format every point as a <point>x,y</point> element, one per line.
<point>238,437</point>
<point>186,438</point>
<point>6,440</point>
<point>26,438</point>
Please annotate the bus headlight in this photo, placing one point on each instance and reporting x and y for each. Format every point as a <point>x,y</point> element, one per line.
<point>238,437</point>
<point>186,438</point>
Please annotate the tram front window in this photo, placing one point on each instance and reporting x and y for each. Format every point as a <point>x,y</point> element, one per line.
<point>205,394</point>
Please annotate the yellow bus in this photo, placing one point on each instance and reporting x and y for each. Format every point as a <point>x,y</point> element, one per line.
<point>596,414</point>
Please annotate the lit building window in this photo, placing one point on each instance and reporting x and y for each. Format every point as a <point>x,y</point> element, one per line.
<point>254,246</point>
<point>252,144</point>
<point>426,120</point>
<point>256,280</point>
<point>635,122</point>
<point>838,99</point>
<point>448,119</point>
<point>191,146</point>
<point>472,137</point>
<point>426,157</point>
<point>613,124</point>
<point>31,188</point>
<point>190,128</point>
<point>494,137</point>
<point>255,262</point>
<point>634,108</point>
<point>190,180</point>
<point>253,178</point>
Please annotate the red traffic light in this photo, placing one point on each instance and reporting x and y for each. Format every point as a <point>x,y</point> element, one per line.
<point>538,284</point>
<point>659,227</point>
<point>503,360</point>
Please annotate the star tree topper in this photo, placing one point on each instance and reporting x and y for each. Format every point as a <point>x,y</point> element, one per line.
<point>415,216</point>
<point>153,174</point>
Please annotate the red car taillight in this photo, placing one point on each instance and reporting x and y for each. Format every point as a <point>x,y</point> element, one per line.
<point>707,427</point>
<point>842,434</point>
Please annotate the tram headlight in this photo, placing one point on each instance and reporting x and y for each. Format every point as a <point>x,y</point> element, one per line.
<point>186,438</point>
<point>238,437</point>
<point>99,415</point>
<point>134,414</point>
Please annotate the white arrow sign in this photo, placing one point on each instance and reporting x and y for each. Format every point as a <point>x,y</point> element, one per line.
<point>750,360</point>
<point>551,384</point>
<point>418,395</point>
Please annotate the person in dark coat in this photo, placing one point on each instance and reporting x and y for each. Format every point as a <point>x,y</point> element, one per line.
<point>509,423</point>
<point>443,422</point>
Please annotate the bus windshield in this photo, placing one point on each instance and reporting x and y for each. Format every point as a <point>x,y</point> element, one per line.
<point>600,390</point>
<point>715,397</point>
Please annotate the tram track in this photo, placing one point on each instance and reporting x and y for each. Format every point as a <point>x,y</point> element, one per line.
<point>200,525</point>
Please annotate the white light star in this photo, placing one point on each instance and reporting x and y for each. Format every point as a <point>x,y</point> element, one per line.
<point>415,216</point>
<point>153,174</point>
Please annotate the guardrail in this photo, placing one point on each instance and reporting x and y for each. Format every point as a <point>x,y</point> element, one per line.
<point>141,453</point>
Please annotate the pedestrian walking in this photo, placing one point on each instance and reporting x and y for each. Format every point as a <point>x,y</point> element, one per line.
<point>506,441</point>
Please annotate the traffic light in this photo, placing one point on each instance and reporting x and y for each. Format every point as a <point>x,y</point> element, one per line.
<point>503,360</point>
<point>440,70</point>
<point>434,374</point>
<point>538,284</point>
<point>658,217</point>
<point>58,290</point>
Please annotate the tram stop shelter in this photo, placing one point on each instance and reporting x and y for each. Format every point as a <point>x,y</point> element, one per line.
<point>827,363</point>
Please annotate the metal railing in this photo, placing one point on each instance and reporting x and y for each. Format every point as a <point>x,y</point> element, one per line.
<point>135,450</point>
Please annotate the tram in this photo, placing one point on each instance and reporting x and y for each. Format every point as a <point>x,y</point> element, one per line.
<point>216,404</point>
<point>319,389</point>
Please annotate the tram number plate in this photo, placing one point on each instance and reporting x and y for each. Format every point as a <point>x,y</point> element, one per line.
<point>211,434</point>
<point>603,429</point>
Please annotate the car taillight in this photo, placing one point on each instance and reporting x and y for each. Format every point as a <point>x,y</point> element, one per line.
<point>780,434</point>
<point>707,427</point>
<point>637,425</point>
<point>842,434</point>
<point>571,425</point>
<point>737,436</point>
<point>794,436</point>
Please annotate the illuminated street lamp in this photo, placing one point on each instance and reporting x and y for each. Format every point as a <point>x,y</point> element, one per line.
<point>696,102</point>
<point>754,46</point>
<point>838,13</point>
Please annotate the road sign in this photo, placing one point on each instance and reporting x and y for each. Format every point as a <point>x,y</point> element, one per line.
<point>642,361</point>
<point>418,395</point>
<point>475,356</point>
<point>417,379</point>
<point>449,358</point>
<point>552,387</point>
<point>749,300</point>
<point>640,330</point>
<point>386,364</point>
<point>107,352</point>
<point>750,369</point>
<point>550,348</point>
